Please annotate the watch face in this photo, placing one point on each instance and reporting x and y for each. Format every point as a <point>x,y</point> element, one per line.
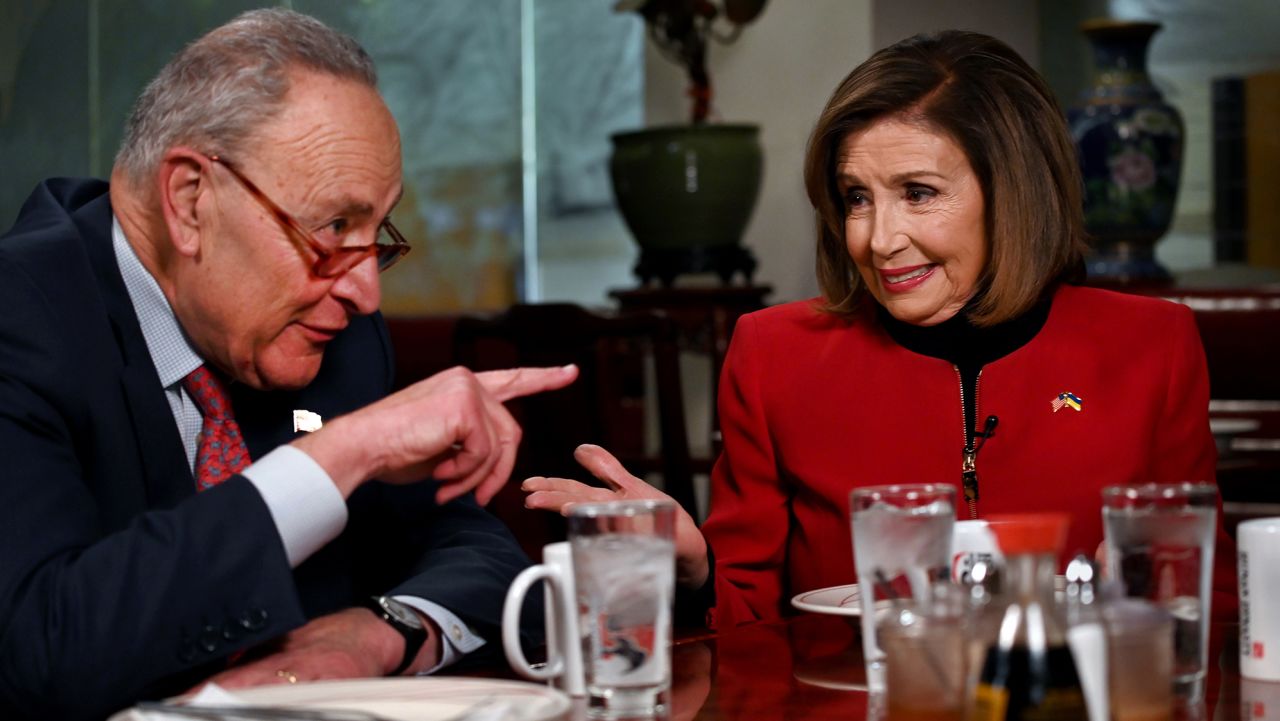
<point>401,612</point>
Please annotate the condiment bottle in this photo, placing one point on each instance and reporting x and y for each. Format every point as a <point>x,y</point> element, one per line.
<point>1025,669</point>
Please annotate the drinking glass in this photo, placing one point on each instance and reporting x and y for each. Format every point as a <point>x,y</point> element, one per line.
<point>624,574</point>
<point>1139,660</point>
<point>902,547</point>
<point>925,666</point>
<point>1159,544</point>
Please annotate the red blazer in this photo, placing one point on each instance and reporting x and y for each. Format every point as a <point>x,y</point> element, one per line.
<point>812,406</point>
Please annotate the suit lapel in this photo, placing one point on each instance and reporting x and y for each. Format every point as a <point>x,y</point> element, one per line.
<point>168,478</point>
<point>265,418</point>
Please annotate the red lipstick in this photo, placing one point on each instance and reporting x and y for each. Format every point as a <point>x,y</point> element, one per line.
<point>908,277</point>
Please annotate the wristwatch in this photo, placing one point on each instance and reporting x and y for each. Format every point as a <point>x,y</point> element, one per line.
<point>405,621</point>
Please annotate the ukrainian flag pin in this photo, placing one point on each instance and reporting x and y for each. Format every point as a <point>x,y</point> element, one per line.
<point>1067,399</point>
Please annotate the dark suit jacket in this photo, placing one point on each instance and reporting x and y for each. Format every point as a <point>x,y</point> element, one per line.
<point>118,581</point>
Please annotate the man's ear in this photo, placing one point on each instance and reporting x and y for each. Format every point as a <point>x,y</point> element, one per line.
<point>183,182</point>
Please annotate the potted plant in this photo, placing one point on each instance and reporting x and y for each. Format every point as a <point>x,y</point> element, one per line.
<point>687,191</point>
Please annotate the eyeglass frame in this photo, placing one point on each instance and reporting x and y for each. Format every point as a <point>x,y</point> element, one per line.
<point>303,240</point>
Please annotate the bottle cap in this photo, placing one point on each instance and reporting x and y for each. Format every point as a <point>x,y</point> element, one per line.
<point>1029,532</point>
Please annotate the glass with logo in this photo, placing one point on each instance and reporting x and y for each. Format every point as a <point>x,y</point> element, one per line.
<point>624,576</point>
<point>902,550</point>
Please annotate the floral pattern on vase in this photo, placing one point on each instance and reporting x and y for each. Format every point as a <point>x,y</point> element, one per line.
<point>1129,142</point>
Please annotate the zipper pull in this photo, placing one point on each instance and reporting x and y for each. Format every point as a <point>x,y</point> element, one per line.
<point>969,475</point>
<point>969,468</point>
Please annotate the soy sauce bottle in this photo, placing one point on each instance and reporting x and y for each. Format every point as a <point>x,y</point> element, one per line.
<point>1025,668</point>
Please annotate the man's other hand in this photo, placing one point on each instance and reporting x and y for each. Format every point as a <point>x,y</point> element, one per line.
<point>349,644</point>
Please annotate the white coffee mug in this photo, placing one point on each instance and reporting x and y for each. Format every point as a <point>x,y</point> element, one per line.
<point>564,651</point>
<point>971,542</point>
<point>1258,564</point>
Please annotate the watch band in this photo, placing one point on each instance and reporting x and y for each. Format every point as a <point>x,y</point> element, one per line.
<point>414,637</point>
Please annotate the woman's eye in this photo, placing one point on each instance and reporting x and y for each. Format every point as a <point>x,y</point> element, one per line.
<point>919,194</point>
<point>855,199</point>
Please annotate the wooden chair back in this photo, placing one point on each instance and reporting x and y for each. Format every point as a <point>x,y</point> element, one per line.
<point>616,356</point>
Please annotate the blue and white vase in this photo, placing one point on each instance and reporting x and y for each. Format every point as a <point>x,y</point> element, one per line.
<point>1129,142</point>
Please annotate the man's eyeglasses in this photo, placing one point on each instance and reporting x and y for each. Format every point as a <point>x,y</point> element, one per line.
<point>331,261</point>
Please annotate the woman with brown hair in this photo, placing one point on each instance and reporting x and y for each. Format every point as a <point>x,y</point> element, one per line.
<point>950,343</point>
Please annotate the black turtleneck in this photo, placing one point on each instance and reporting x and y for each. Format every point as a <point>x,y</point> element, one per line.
<point>966,346</point>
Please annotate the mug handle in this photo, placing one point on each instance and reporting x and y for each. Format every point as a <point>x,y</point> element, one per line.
<point>511,623</point>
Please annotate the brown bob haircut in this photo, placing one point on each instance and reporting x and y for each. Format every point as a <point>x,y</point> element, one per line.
<point>979,92</point>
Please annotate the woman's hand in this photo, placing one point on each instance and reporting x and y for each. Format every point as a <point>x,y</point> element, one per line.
<point>559,495</point>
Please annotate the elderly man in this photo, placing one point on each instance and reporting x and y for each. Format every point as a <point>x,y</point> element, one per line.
<point>164,341</point>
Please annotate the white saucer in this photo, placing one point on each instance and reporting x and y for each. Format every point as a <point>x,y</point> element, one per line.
<point>836,600</point>
<point>404,699</point>
<point>833,682</point>
<point>847,600</point>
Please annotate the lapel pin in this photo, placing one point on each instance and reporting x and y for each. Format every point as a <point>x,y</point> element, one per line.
<point>1067,400</point>
<point>306,421</point>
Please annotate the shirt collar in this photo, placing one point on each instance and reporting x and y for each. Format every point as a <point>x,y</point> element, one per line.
<point>170,349</point>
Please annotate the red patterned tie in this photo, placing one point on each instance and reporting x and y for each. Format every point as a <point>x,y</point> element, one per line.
<point>221,451</point>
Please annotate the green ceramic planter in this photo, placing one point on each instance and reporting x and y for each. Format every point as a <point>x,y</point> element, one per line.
<point>687,188</point>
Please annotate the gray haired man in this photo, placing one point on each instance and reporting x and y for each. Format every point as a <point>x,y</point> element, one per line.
<point>163,519</point>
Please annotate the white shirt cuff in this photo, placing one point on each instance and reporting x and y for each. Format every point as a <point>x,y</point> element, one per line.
<point>458,638</point>
<point>307,508</point>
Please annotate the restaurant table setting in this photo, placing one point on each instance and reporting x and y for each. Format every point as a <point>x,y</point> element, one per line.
<point>951,630</point>
<point>949,620</point>
<point>1019,650</point>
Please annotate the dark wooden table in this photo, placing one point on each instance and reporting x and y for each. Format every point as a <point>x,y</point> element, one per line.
<point>810,667</point>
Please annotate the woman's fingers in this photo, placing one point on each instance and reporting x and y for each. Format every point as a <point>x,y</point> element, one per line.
<point>557,494</point>
<point>561,501</point>
<point>601,464</point>
<point>567,485</point>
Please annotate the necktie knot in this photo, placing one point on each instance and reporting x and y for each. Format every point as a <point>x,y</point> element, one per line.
<point>209,393</point>
<point>221,451</point>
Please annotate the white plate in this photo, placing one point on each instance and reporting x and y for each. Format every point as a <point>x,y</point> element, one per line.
<point>835,683</point>
<point>847,600</point>
<point>836,600</point>
<point>406,699</point>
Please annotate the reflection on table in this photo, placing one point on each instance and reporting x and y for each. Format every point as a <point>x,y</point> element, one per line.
<point>810,667</point>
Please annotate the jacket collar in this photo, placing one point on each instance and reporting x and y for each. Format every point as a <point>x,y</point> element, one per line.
<point>168,479</point>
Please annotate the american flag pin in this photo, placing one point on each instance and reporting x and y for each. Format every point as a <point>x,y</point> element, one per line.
<point>1067,399</point>
<point>306,421</point>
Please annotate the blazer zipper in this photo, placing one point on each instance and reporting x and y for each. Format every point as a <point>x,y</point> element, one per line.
<point>969,464</point>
